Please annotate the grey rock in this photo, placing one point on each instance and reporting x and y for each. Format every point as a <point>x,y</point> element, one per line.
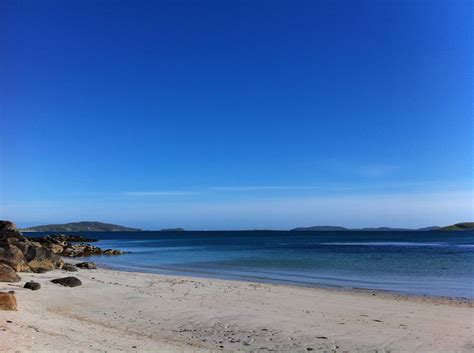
<point>70,268</point>
<point>68,281</point>
<point>87,265</point>
<point>32,285</point>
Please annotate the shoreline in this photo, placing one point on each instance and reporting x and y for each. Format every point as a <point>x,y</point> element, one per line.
<point>329,288</point>
<point>119,310</point>
<point>336,288</point>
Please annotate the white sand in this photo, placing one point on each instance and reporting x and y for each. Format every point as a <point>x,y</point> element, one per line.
<point>119,311</point>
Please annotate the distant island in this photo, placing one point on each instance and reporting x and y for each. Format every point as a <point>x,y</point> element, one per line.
<point>81,227</point>
<point>459,226</point>
<point>320,228</point>
<point>87,226</point>
<point>376,229</point>
<point>455,227</point>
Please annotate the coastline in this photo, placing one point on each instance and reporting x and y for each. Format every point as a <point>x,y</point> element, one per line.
<point>127,311</point>
<point>323,287</point>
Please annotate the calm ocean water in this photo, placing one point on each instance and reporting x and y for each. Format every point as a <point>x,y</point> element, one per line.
<point>423,263</point>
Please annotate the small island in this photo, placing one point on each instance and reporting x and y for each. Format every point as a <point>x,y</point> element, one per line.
<point>459,227</point>
<point>84,226</point>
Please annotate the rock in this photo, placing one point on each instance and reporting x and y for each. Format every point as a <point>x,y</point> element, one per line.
<point>42,259</point>
<point>23,254</point>
<point>7,226</point>
<point>72,245</point>
<point>32,285</point>
<point>87,265</point>
<point>79,250</point>
<point>56,248</point>
<point>70,268</point>
<point>112,252</point>
<point>41,270</point>
<point>68,281</point>
<point>63,239</point>
<point>7,301</point>
<point>13,257</point>
<point>8,274</point>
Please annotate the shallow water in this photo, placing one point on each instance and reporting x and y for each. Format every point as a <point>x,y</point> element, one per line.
<point>422,263</point>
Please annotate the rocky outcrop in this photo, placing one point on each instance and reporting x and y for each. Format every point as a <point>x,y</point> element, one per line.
<point>8,274</point>
<point>77,250</point>
<point>72,246</point>
<point>10,253</point>
<point>112,252</point>
<point>23,254</point>
<point>68,281</point>
<point>7,226</point>
<point>63,239</point>
<point>7,301</point>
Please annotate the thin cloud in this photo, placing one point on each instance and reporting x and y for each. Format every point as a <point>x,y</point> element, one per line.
<point>160,193</point>
<point>264,187</point>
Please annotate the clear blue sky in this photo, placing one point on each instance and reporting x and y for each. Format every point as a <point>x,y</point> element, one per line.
<point>236,114</point>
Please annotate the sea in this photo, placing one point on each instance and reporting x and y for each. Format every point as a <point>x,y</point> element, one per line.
<point>430,263</point>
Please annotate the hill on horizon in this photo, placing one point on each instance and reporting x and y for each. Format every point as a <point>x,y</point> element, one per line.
<point>459,226</point>
<point>84,226</point>
<point>368,229</point>
<point>463,226</point>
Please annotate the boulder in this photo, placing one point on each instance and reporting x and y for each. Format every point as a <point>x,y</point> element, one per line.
<point>56,248</point>
<point>87,265</point>
<point>42,259</point>
<point>70,268</point>
<point>8,274</point>
<point>7,301</point>
<point>68,281</point>
<point>41,270</point>
<point>32,285</point>
<point>13,257</point>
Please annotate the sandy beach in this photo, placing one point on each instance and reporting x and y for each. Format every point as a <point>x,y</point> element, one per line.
<point>120,311</point>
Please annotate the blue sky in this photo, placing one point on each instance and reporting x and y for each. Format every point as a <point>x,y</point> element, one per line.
<point>236,114</point>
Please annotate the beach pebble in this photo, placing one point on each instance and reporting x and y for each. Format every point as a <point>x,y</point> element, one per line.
<point>68,281</point>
